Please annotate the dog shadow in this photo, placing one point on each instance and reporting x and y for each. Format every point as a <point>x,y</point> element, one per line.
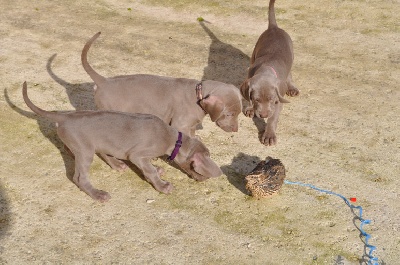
<point>226,63</point>
<point>242,164</point>
<point>80,95</point>
<point>5,215</point>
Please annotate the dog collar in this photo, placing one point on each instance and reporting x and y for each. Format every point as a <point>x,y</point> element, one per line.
<point>178,144</point>
<point>273,70</point>
<point>199,95</point>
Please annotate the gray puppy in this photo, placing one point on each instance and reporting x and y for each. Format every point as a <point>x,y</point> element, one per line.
<point>180,102</point>
<point>136,137</point>
<point>269,77</point>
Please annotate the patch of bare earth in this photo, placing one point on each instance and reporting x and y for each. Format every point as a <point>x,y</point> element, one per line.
<point>341,134</point>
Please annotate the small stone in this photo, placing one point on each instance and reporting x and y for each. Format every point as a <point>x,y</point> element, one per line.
<point>150,200</point>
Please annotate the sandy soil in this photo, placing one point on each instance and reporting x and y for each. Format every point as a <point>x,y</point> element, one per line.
<point>341,134</point>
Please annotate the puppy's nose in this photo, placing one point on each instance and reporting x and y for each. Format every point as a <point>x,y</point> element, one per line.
<point>235,128</point>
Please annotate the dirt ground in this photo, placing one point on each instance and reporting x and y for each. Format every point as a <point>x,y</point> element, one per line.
<point>341,134</point>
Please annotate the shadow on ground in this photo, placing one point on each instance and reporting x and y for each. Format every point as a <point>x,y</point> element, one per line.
<point>5,216</point>
<point>80,95</point>
<point>242,164</point>
<point>225,63</point>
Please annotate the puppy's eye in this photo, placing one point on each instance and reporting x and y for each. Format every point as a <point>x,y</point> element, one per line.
<point>276,102</point>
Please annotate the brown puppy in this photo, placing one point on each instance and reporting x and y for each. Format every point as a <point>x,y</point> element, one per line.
<point>269,77</point>
<point>174,100</point>
<point>137,137</point>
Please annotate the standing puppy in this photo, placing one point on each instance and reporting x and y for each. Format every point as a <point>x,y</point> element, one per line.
<point>137,137</point>
<point>269,77</point>
<point>179,102</point>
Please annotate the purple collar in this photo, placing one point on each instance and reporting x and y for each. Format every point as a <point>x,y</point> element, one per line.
<point>178,144</point>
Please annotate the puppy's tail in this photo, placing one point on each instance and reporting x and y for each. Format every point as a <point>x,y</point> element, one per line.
<point>98,79</point>
<point>53,116</point>
<point>271,15</point>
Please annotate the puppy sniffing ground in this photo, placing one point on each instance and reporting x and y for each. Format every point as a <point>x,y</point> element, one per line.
<point>135,137</point>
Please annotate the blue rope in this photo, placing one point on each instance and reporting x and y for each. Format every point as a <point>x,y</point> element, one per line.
<point>372,260</point>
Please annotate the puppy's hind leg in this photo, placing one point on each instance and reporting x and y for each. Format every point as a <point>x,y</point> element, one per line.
<point>81,177</point>
<point>113,162</point>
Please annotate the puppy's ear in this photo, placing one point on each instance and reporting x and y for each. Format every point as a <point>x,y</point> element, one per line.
<point>203,165</point>
<point>213,106</point>
<point>244,89</point>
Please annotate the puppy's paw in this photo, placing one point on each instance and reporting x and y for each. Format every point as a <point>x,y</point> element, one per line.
<point>100,195</point>
<point>292,91</point>
<point>249,112</point>
<point>166,188</point>
<point>268,138</point>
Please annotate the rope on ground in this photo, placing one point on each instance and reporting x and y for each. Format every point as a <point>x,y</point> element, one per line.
<point>372,260</point>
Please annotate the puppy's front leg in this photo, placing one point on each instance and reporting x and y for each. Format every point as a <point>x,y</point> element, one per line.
<point>152,174</point>
<point>248,108</point>
<point>269,136</point>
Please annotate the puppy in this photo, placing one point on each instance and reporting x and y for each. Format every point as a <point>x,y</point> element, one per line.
<point>269,77</point>
<point>135,137</point>
<point>180,102</point>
